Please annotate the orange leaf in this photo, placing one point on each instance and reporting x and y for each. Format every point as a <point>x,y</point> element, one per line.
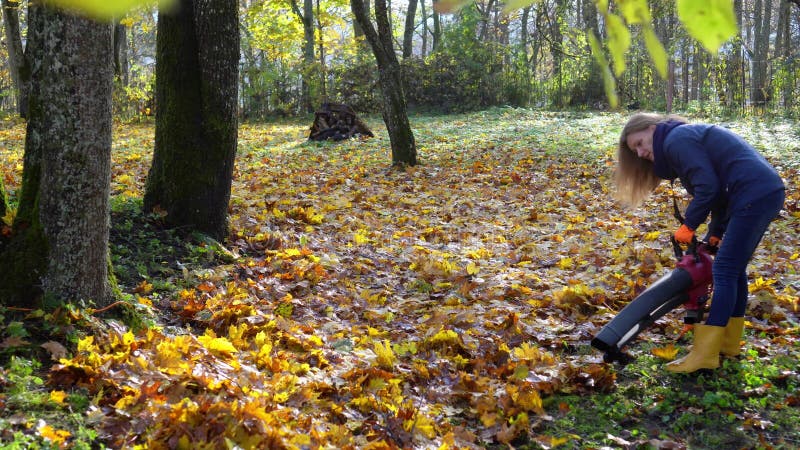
<point>668,353</point>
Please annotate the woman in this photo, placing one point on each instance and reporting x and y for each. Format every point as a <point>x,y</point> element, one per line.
<point>728,179</point>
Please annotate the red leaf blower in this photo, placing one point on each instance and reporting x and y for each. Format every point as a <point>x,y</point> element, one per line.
<point>689,284</point>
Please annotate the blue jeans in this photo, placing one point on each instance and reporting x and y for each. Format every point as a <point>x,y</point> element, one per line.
<point>745,230</point>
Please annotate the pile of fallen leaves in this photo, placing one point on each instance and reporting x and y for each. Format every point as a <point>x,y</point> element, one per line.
<point>437,307</point>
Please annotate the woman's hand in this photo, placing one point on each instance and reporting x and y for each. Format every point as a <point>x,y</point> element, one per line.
<point>684,235</point>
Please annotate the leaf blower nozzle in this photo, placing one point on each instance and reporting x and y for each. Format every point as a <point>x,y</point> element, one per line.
<point>689,284</point>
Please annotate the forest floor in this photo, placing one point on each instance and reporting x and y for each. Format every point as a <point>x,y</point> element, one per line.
<point>447,306</point>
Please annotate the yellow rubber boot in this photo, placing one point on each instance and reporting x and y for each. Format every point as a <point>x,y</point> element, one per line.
<point>733,336</point>
<point>705,351</point>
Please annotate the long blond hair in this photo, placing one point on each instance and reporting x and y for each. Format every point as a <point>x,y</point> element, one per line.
<point>634,178</point>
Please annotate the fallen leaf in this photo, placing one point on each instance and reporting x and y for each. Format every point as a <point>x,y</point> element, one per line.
<point>57,351</point>
<point>13,341</point>
<point>667,353</point>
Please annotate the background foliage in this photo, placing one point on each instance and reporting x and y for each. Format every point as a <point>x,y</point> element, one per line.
<point>490,53</point>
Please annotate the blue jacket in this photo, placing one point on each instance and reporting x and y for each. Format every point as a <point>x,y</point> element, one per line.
<point>721,171</point>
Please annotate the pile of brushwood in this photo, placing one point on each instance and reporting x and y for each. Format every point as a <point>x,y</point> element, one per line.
<point>337,122</point>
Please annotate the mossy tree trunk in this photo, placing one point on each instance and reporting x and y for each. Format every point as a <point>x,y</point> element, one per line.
<point>395,115</point>
<point>197,55</point>
<point>58,249</point>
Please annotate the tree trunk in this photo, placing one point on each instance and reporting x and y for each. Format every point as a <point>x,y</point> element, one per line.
<point>523,50</point>
<point>685,71</point>
<point>760,88</point>
<point>121,53</point>
<point>59,243</point>
<point>306,16</point>
<point>437,29</point>
<point>594,83</point>
<point>698,73</point>
<point>3,204</point>
<point>408,34</point>
<point>404,151</point>
<point>670,94</point>
<point>733,72</point>
<point>321,46</point>
<point>557,50</point>
<point>17,65</point>
<point>783,48</point>
<point>196,123</point>
<point>424,28</point>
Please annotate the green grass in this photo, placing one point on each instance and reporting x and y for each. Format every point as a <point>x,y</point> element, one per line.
<point>28,409</point>
<point>743,404</point>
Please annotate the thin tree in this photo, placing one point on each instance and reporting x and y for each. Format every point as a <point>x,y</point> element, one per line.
<point>395,116</point>
<point>17,65</point>
<point>408,33</point>
<point>197,59</point>
<point>306,16</point>
<point>783,49</point>
<point>3,205</point>
<point>121,53</point>
<point>760,87</point>
<point>437,28</point>
<point>58,250</point>
<point>424,33</point>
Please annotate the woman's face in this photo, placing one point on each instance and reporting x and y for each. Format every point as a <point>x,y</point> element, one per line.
<point>641,142</point>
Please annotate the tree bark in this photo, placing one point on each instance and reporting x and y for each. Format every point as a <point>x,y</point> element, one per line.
<point>523,49</point>
<point>760,87</point>
<point>424,28</point>
<point>408,33</point>
<point>783,48</point>
<point>321,46</point>
<point>437,29</point>
<point>196,116</point>
<point>734,74</point>
<point>3,205</point>
<point>121,53</point>
<point>17,65</point>
<point>59,243</point>
<point>306,16</point>
<point>685,52</point>
<point>557,50</point>
<point>404,151</point>
<point>593,88</point>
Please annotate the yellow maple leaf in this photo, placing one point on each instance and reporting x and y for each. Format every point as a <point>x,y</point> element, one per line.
<point>444,337</point>
<point>530,401</point>
<point>143,288</point>
<point>385,355</point>
<point>652,236</point>
<point>144,301</point>
<point>421,424</point>
<point>87,345</point>
<point>53,435</point>
<point>217,344</point>
<point>58,397</point>
<point>668,353</point>
<point>360,237</point>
